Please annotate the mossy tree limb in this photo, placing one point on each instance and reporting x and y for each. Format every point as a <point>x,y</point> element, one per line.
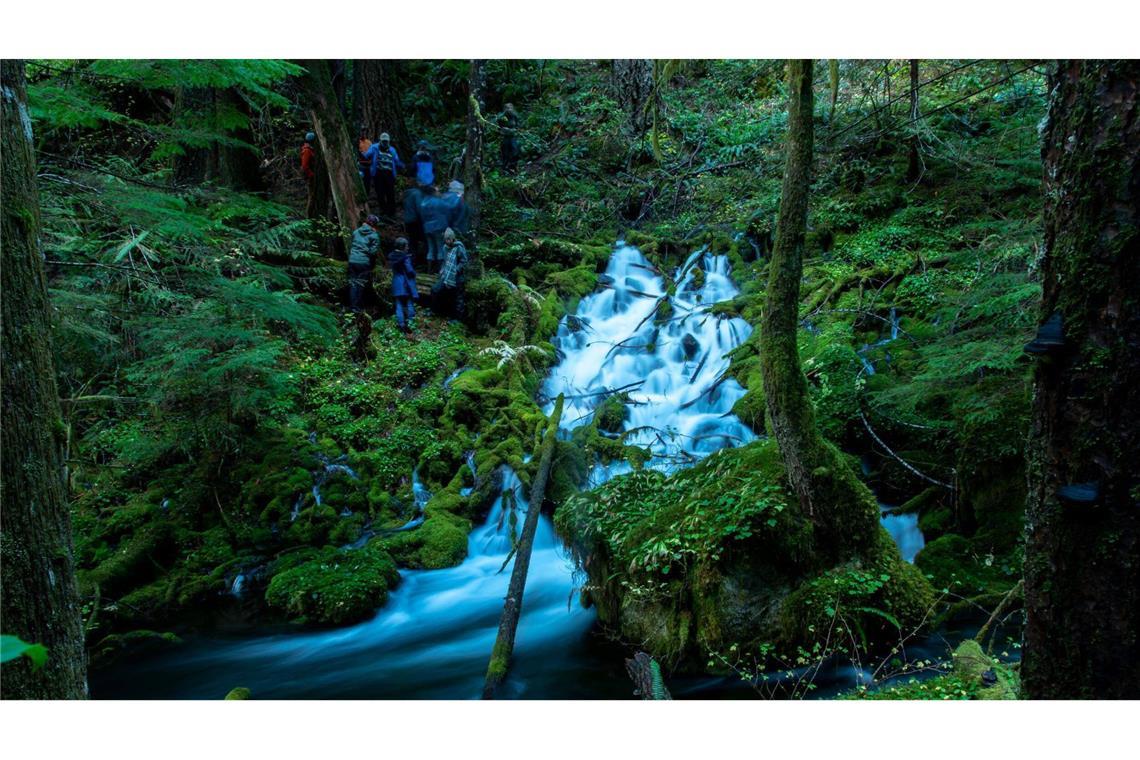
<point>512,606</point>
<point>841,508</point>
<point>1082,557</point>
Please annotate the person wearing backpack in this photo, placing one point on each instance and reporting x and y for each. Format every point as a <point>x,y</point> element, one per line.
<point>433,214</point>
<point>309,172</point>
<point>424,164</point>
<point>363,160</point>
<point>361,259</point>
<point>385,165</point>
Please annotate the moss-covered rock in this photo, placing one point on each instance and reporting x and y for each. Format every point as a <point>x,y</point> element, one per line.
<point>119,646</point>
<point>333,586</point>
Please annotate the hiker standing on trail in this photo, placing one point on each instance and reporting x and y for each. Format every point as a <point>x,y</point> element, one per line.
<point>404,291</point>
<point>433,214</point>
<point>309,172</point>
<point>361,259</point>
<point>509,147</point>
<point>413,224</point>
<point>424,164</point>
<point>385,165</point>
<point>448,293</point>
<point>457,215</point>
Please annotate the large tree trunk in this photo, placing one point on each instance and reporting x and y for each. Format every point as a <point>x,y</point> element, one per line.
<point>337,148</point>
<point>512,605</point>
<point>381,107</point>
<point>914,164</point>
<point>1082,554</point>
<point>473,153</point>
<point>842,509</point>
<point>238,165</point>
<point>40,598</point>
<point>632,81</point>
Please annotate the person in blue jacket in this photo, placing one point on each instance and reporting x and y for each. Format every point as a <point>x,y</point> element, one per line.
<point>424,164</point>
<point>433,215</point>
<point>457,214</point>
<point>404,291</point>
<point>385,165</point>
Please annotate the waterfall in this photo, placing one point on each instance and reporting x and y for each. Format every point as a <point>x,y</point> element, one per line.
<point>672,368</point>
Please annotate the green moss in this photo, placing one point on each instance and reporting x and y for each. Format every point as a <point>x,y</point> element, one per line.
<point>119,646</point>
<point>333,586</point>
<point>239,693</point>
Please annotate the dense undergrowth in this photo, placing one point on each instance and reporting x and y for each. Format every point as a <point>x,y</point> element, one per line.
<point>209,392</point>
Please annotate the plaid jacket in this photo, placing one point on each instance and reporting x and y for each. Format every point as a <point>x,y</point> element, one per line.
<point>454,262</point>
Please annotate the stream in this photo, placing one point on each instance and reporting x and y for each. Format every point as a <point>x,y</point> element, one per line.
<point>433,638</point>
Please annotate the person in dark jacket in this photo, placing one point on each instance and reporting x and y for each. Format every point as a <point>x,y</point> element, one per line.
<point>457,214</point>
<point>448,293</point>
<point>424,164</point>
<point>363,158</point>
<point>413,224</point>
<point>361,259</point>
<point>386,164</point>
<point>403,284</point>
<point>509,147</point>
<point>433,214</point>
<point>309,172</point>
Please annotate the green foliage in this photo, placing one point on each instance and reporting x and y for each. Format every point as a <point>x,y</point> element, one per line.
<point>13,647</point>
<point>333,586</point>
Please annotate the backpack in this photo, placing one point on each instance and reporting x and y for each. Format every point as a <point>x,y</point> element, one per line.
<point>384,160</point>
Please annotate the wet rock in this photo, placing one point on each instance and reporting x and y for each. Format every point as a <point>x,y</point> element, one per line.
<point>690,345</point>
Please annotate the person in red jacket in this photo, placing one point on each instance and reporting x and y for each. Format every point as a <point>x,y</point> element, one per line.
<point>309,171</point>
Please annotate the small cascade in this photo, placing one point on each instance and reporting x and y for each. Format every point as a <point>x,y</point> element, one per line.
<point>673,369</point>
<point>903,527</point>
<point>893,322</point>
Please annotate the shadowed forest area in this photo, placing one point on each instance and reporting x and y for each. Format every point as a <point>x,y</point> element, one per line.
<point>764,379</point>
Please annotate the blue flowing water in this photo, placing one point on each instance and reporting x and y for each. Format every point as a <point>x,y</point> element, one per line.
<point>433,638</point>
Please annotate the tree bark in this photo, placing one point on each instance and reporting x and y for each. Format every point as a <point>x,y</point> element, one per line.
<point>337,147</point>
<point>632,81</point>
<point>1082,555</point>
<point>40,596</point>
<point>381,107</point>
<point>512,606</point>
<point>473,153</point>
<point>841,508</point>
<point>914,165</point>
<point>238,165</point>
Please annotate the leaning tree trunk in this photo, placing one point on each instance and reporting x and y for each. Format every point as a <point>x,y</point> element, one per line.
<point>381,107</point>
<point>473,153</point>
<point>632,81</point>
<point>40,600</point>
<point>914,164</point>
<point>1082,554</point>
<point>338,149</point>
<point>512,606</point>
<point>842,509</point>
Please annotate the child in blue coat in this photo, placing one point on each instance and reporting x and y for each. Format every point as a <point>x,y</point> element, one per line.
<point>403,284</point>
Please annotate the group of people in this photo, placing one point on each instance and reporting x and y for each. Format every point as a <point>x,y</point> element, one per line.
<point>447,293</point>
<point>435,224</point>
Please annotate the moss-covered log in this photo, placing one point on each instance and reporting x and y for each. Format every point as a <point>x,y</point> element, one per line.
<point>512,607</point>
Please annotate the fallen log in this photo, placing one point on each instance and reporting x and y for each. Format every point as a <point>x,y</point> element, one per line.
<point>512,605</point>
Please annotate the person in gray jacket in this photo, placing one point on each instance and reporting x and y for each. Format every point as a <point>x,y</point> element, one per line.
<point>361,259</point>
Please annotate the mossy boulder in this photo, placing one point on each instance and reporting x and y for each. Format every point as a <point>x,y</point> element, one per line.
<point>720,555</point>
<point>239,693</point>
<point>118,646</point>
<point>333,586</point>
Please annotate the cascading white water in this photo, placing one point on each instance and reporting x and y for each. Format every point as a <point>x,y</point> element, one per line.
<point>433,639</point>
<point>673,369</point>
